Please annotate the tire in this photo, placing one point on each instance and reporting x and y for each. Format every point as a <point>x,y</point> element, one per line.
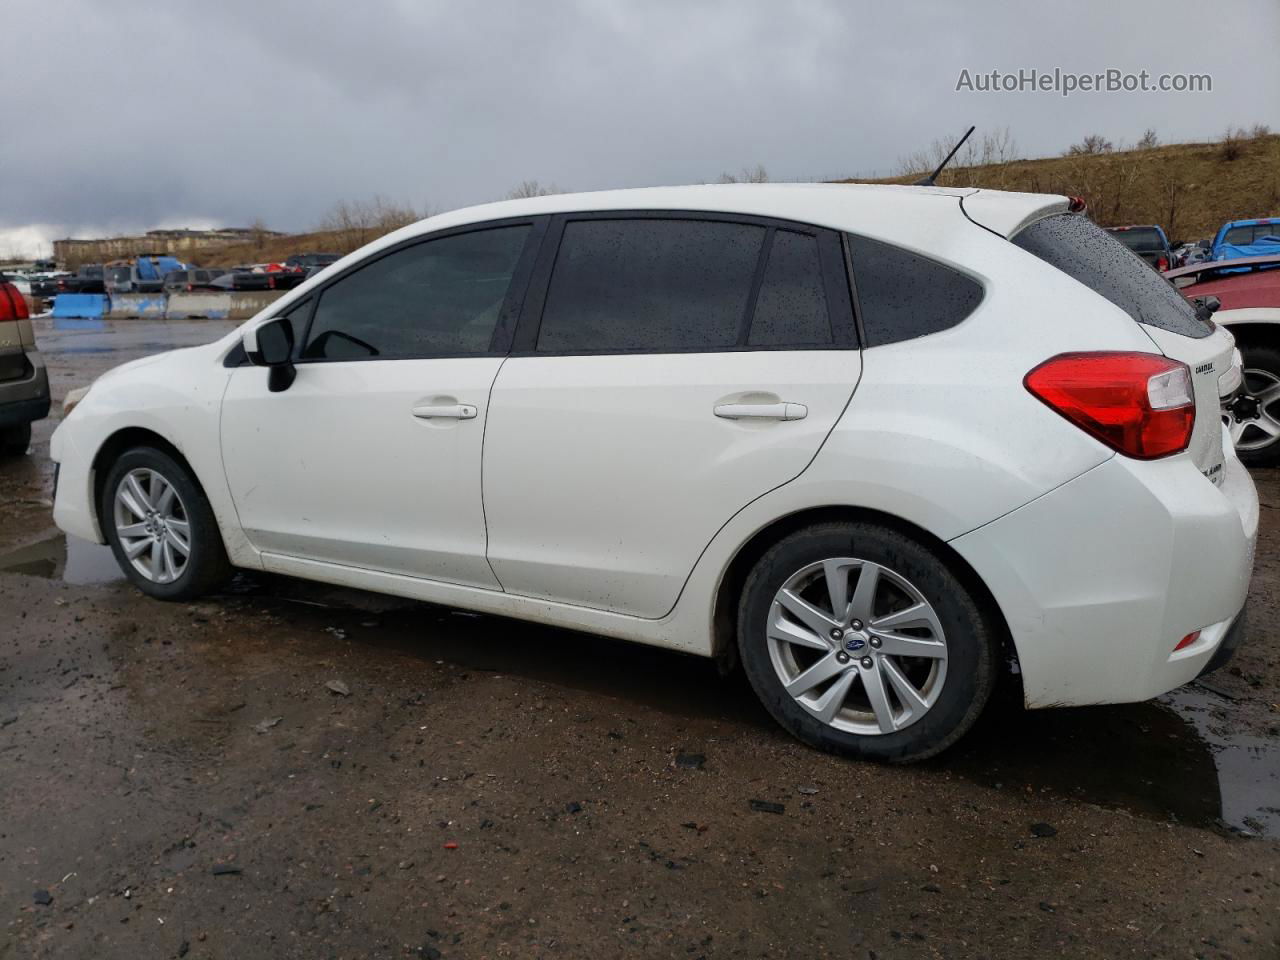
<point>14,441</point>
<point>952,683</point>
<point>139,522</point>
<point>1261,370</point>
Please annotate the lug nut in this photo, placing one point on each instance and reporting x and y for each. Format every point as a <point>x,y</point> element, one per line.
<point>876,642</point>
<point>866,662</point>
<point>857,624</point>
<point>836,633</point>
<point>842,657</point>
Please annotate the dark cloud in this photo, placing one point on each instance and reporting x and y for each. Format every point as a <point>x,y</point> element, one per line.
<point>131,114</point>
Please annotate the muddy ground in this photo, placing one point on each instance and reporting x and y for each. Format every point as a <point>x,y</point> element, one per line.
<point>181,781</point>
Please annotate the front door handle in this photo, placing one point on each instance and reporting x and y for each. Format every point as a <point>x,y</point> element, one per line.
<point>761,411</point>
<point>446,411</point>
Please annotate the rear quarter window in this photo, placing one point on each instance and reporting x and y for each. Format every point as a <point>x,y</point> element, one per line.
<point>1087,253</point>
<point>902,295</point>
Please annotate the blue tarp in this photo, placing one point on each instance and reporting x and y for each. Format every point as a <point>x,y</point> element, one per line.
<point>88,305</point>
<point>154,268</point>
<point>1267,246</point>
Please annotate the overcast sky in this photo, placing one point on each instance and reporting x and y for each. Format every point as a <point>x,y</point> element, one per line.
<point>129,115</point>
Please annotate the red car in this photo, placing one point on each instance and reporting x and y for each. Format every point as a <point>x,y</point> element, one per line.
<point>1248,291</point>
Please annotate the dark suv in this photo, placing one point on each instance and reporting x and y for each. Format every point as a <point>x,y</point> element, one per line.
<point>1148,242</point>
<point>24,383</point>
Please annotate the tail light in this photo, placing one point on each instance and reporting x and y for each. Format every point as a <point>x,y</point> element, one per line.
<point>1140,404</point>
<point>13,305</point>
<point>1162,264</point>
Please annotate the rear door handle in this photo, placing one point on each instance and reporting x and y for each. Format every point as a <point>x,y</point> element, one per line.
<point>761,411</point>
<point>447,411</point>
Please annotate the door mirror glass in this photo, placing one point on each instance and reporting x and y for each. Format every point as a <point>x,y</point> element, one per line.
<point>274,343</point>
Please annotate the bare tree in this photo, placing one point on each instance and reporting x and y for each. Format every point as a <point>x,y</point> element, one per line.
<point>355,223</point>
<point>532,188</point>
<point>1094,143</point>
<point>1233,141</point>
<point>1259,130</point>
<point>258,234</point>
<point>1148,140</point>
<point>756,174</point>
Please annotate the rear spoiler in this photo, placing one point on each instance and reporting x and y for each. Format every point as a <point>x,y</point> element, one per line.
<point>1007,213</point>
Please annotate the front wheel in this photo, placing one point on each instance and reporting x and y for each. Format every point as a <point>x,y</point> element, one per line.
<point>862,641</point>
<point>160,526</point>
<point>1253,416</point>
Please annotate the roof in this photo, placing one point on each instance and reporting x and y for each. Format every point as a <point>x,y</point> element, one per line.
<point>840,206</point>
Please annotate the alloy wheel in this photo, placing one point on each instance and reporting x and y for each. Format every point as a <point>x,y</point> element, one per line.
<point>857,645</point>
<point>152,525</point>
<point>1253,417</point>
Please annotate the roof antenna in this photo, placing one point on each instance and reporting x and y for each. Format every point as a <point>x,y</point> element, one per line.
<point>929,180</point>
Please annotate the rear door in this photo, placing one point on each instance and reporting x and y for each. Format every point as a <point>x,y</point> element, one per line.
<point>668,369</point>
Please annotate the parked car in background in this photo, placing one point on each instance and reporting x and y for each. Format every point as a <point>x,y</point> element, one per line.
<point>191,278</point>
<point>1148,242</point>
<point>1246,238</point>
<point>307,262</point>
<point>24,382</point>
<point>241,279</point>
<point>47,285</point>
<point>87,279</point>
<point>1186,254</point>
<point>144,274</point>
<point>1248,292</point>
<point>737,421</point>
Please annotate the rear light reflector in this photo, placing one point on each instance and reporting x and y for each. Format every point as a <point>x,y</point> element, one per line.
<point>13,305</point>
<point>1140,404</point>
<point>1187,641</point>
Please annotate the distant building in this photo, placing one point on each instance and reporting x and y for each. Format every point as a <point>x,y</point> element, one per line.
<point>179,243</point>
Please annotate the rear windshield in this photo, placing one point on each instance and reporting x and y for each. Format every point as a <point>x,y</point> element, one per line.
<point>1138,239</point>
<point>1087,253</point>
<point>119,274</point>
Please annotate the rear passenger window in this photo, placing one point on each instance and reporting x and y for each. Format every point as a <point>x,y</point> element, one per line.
<point>902,295</point>
<point>649,284</point>
<point>792,307</point>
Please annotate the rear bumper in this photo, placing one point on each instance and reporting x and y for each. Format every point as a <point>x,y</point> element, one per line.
<point>1100,578</point>
<point>25,400</point>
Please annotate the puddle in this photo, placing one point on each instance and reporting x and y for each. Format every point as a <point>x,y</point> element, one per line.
<point>1176,758</point>
<point>1248,765</point>
<point>68,559</point>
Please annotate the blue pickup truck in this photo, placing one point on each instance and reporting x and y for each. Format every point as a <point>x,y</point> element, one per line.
<point>1246,238</point>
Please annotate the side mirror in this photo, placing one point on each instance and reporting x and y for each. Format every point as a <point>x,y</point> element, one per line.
<point>1210,303</point>
<point>271,345</point>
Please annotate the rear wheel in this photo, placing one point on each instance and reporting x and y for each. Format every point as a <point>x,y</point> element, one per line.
<point>161,527</point>
<point>14,441</point>
<point>1253,417</point>
<point>862,641</point>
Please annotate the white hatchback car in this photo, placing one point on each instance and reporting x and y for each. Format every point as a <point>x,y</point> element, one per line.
<point>874,441</point>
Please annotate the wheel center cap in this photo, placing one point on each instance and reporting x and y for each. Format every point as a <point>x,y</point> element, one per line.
<point>855,642</point>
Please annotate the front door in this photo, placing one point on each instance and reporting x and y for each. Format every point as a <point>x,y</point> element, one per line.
<point>371,458</point>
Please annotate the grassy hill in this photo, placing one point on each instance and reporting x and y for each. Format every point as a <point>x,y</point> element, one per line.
<point>1190,189</point>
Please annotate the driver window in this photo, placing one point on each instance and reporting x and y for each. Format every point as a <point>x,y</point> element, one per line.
<point>439,297</point>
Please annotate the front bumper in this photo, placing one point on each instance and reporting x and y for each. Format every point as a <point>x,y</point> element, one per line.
<point>1100,578</point>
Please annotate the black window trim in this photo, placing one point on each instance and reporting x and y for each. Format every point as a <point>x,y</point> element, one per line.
<point>844,327</point>
<point>503,332</point>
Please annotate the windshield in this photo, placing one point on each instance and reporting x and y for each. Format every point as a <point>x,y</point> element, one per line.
<point>1085,252</point>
